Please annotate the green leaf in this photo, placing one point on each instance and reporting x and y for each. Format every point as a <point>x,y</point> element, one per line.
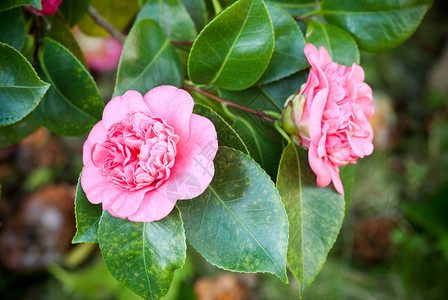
<point>315,216</point>
<point>239,222</point>
<point>12,28</point>
<point>88,216</point>
<point>148,60</point>
<point>60,32</point>
<point>288,56</point>
<point>197,11</point>
<point>8,4</point>
<point>339,43</point>
<point>143,256</point>
<point>73,104</point>
<point>118,13</point>
<point>172,16</point>
<point>226,134</point>
<point>262,140</point>
<point>20,88</point>
<point>376,25</point>
<point>14,133</point>
<point>296,7</point>
<point>234,49</point>
<point>74,10</point>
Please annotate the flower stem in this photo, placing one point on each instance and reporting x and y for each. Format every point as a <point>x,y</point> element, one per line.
<point>101,21</point>
<point>280,130</point>
<point>259,113</point>
<point>217,7</point>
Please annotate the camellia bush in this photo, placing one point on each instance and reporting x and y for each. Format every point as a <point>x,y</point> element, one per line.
<point>234,125</point>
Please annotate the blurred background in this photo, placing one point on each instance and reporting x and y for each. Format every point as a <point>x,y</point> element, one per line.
<point>393,243</point>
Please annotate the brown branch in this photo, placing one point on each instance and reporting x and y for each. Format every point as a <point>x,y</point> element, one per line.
<point>298,18</point>
<point>229,103</point>
<point>182,43</point>
<point>101,21</point>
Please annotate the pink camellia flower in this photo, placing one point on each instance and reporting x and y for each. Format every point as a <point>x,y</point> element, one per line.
<point>49,7</point>
<point>331,114</point>
<point>147,153</point>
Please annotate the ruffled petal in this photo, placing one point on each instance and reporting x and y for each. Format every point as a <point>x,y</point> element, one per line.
<point>356,73</point>
<point>94,183</point>
<point>203,134</point>
<point>319,58</point>
<point>319,167</point>
<point>317,109</point>
<point>172,105</point>
<point>154,206</point>
<point>336,179</point>
<point>98,134</point>
<point>117,108</point>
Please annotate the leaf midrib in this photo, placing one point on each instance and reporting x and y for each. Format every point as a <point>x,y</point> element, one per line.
<point>233,45</point>
<point>244,226</point>
<point>23,86</point>
<point>301,207</point>
<point>156,56</point>
<point>144,256</point>
<point>44,68</point>
<point>370,12</point>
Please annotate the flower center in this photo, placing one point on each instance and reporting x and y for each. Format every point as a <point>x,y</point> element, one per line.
<point>139,152</point>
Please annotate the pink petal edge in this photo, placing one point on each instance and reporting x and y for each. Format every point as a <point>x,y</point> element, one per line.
<point>173,105</point>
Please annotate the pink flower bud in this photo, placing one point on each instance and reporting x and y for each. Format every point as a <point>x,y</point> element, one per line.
<point>49,7</point>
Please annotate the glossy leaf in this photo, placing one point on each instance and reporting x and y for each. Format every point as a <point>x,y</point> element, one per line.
<point>288,56</point>
<point>61,33</point>
<point>239,222</point>
<point>14,133</point>
<point>296,7</point>
<point>172,16</point>
<point>376,25</point>
<point>88,216</point>
<point>227,136</point>
<point>143,256</point>
<point>262,140</point>
<point>8,4</point>
<point>339,43</point>
<point>315,215</point>
<point>148,60</point>
<point>21,89</point>
<point>73,104</point>
<point>234,49</point>
<point>118,13</point>
<point>74,10</point>
<point>197,11</point>
<point>12,28</point>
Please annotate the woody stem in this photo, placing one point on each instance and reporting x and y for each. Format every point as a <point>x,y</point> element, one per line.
<point>259,113</point>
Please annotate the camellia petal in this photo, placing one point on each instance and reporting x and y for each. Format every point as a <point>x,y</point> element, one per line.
<point>97,135</point>
<point>94,183</point>
<point>337,109</point>
<point>147,153</point>
<point>117,108</point>
<point>173,105</point>
<point>154,206</point>
<point>203,135</point>
<point>192,174</point>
